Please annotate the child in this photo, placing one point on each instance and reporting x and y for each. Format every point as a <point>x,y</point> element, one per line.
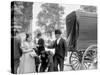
<point>46,61</point>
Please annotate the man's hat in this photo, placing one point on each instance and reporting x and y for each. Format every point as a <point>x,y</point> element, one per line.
<point>57,31</point>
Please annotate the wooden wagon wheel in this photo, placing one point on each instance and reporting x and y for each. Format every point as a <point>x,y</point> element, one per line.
<point>74,61</point>
<point>89,56</point>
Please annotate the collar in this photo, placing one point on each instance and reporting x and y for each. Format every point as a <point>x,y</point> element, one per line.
<point>59,38</point>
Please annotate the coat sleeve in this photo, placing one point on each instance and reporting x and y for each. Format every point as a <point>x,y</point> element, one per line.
<point>65,47</point>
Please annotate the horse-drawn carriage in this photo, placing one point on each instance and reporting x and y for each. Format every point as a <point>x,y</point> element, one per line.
<point>82,38</point>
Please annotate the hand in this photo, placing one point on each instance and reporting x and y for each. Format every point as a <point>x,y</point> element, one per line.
<point>33,54</point>
<point>37,45</point>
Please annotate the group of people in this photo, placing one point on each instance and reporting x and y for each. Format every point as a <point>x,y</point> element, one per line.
<point>30,56</point>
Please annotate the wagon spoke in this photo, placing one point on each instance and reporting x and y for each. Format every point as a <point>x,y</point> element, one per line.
<point>79,67</point>
<point>76,66</point>
<point>75,63</point>
<point>74,57</point>
<point>74,60</point>
<point>86,66</point>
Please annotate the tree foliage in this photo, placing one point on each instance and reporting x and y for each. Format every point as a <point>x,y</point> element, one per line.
<point>89,8</point>
<point>50,16</point>
<point>21,14</point>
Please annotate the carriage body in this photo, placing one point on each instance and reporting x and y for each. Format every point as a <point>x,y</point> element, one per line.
<point>85,40</point>
<point>87,29</point>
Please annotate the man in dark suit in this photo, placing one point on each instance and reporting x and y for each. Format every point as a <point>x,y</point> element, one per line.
<point>60,51</point>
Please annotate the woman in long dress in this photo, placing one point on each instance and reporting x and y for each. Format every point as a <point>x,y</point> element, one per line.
<point>27,61</point>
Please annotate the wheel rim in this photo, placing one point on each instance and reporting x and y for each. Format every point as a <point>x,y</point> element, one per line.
<point>89,56</point>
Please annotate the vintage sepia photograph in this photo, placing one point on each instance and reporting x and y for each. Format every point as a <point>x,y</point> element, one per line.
<point>52,37</point>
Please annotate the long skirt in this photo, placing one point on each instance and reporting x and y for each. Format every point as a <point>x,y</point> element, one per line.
<point>27,64</point>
